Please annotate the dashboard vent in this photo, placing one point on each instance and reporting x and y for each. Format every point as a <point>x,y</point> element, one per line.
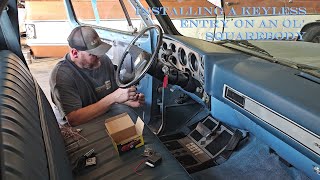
<point>234,96</point>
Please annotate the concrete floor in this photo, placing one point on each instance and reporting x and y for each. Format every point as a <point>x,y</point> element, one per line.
<point>41,69</point>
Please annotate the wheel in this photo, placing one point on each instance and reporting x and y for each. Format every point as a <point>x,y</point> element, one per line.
<point>312,34</point>
<point>135,62</point>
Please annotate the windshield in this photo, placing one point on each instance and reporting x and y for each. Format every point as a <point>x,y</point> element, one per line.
<point>279,28</point>
<point>116,15</point>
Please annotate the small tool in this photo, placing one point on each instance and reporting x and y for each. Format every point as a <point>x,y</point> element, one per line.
<point>154,160</point>
<point>88,159</point>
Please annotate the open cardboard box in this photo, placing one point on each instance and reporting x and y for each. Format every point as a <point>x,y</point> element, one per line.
<point>124,133</point>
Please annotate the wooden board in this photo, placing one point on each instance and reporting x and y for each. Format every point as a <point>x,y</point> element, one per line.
<point>56,51</point>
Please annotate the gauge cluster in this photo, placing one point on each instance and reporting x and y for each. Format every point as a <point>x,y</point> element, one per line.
<point>179,56</point>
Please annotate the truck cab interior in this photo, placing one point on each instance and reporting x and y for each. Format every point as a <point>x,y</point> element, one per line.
<point>214,110</point>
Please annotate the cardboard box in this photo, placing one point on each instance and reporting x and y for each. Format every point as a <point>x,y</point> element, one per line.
<point>124,133</point>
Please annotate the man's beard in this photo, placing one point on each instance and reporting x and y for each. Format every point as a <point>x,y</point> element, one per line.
<point>94,64</point>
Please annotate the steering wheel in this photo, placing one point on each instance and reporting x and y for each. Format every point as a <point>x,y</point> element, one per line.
<point>136,61</point>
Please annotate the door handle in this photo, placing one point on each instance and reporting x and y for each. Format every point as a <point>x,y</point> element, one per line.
<point>231,3</point>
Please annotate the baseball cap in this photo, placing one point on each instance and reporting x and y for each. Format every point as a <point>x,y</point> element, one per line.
<point>85,38</point>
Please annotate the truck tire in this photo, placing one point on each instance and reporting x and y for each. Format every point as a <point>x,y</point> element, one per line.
<point>312,34</point>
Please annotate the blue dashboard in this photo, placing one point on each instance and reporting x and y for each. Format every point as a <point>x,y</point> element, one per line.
<point>251,93</point>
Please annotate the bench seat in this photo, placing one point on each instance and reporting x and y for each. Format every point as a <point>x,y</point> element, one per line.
<point>110,165</point>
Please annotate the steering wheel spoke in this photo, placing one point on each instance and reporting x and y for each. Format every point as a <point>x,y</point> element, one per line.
<point>135,62</point>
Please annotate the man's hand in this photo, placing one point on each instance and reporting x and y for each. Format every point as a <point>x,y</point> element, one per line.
<point>122,95</point>
<point>137,102</point>
<point>127,96</point>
